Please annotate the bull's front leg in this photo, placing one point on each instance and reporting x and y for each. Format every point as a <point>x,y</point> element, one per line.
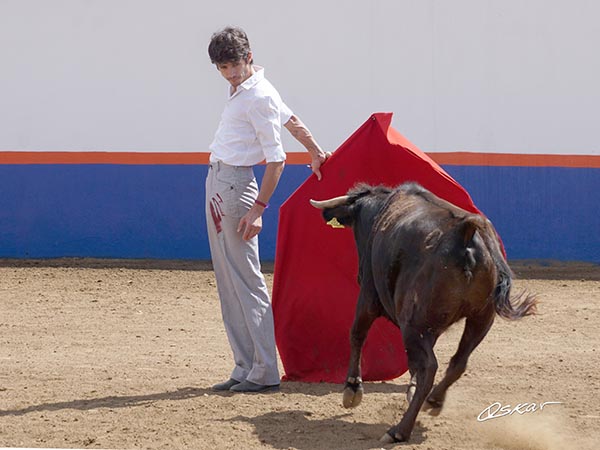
<point>363,319</point>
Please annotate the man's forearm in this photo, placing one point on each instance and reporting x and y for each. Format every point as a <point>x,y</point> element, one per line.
<point>251,223</point>
<point>270,180</point>
<point>303,135</point>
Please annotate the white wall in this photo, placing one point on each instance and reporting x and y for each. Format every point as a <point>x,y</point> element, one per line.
<point>464,75</point>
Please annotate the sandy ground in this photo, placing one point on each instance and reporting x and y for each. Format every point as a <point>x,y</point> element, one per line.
<point>121,355</point>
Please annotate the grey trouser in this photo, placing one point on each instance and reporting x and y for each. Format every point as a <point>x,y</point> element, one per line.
<point>245,302</point>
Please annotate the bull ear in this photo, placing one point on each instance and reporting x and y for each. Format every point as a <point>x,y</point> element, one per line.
<point>340,216</point>
<point>334,223</point>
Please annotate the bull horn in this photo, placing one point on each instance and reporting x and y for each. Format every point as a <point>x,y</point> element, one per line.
<point>331,203</point>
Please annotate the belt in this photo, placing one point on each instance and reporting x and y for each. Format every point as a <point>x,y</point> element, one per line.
<point>218,165</point>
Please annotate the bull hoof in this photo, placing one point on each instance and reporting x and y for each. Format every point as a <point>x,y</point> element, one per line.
<point>436,400</point>
<point>433,406</point>
<point>434,403</point>
<point>387,439</point>
<point>352,398</point>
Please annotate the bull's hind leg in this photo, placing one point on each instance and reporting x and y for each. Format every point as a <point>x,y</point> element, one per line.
<point>363,319</point>
<point>475,330</point>
<point>412,385</point>
<point>423,363</point>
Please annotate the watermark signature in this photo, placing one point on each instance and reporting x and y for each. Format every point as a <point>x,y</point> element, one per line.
<point>496,410</point>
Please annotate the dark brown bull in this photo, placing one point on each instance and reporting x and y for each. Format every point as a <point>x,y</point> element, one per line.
<point>423,264</point>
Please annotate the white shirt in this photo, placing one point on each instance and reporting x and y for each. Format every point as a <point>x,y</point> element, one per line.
<point>250,127</point>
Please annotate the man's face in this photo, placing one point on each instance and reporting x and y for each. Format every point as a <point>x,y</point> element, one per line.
<point>236,72</point>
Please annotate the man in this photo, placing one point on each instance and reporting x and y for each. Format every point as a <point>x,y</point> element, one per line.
<point>249,132</point>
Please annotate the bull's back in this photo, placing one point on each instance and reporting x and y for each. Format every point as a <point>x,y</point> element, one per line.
<point>431,261</point>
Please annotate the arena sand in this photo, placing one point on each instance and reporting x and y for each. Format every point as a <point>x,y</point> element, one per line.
<point>122,354</point>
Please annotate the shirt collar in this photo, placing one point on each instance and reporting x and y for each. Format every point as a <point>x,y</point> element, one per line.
<point>257,76</point>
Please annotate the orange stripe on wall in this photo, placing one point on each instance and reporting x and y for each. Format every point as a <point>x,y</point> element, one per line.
<point>515,159</point>
<point>186,158</point>
<point>102,158</point>
<point>133,158</point>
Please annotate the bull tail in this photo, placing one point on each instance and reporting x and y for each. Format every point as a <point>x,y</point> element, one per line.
<point>511,307</point>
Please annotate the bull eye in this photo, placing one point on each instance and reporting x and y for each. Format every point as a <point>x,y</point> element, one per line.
<point>333,223</point>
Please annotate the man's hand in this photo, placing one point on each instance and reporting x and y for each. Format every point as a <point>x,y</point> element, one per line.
<point>251,224</point>
<point>317,162</point>
<point>302,135</point>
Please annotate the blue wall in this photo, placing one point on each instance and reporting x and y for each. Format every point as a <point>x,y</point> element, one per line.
<point>540,212</point>
<point>146,211</point>
<point>116,211</point>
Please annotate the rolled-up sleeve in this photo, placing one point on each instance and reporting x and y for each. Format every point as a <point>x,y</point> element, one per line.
<point>265,116</point>
<point>285,114</point>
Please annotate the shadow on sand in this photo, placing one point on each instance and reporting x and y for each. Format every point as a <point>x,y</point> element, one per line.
<point>279,429</point>
<point>115,402</point>
<point>300,430</point>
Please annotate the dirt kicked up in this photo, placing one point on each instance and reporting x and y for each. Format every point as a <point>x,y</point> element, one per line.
<point>122,354</point>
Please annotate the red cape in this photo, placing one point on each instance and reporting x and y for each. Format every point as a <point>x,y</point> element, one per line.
<point>315,281</point>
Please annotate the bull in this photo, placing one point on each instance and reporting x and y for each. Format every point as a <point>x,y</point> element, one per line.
<point>424,264</point>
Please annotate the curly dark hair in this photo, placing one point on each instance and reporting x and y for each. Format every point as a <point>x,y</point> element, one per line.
<point>228,45</point>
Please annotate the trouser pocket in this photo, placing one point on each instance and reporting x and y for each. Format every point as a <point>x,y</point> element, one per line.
<point>237,188</point>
